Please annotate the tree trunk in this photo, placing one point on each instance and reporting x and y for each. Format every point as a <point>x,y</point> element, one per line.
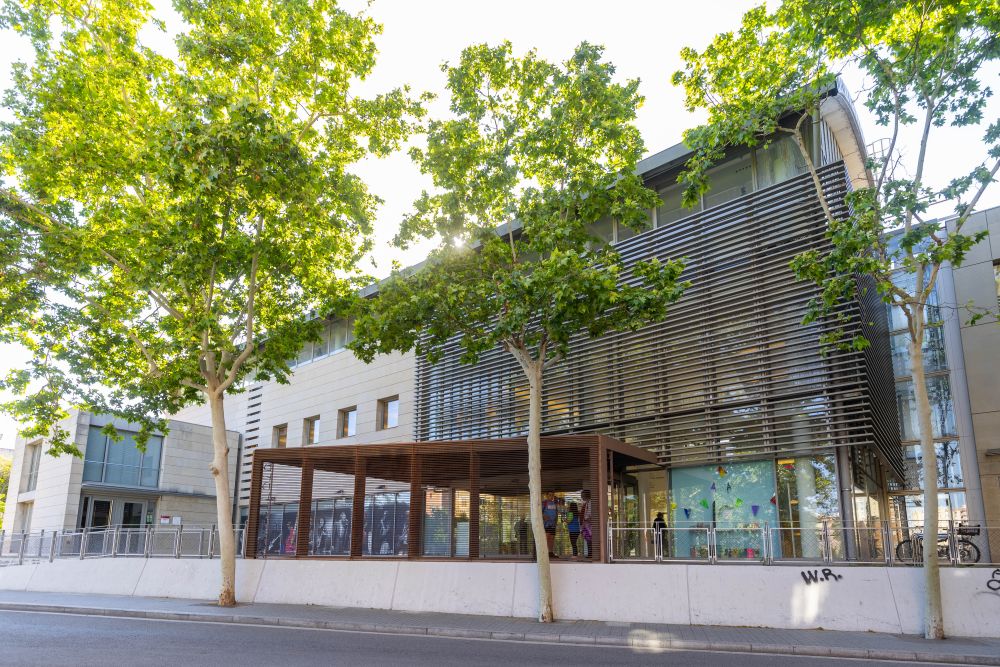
<point>933,613</point>
<point>533,369</point>
<point>223,502</point>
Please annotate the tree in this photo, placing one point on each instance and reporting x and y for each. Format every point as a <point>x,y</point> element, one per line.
<point>923,66</point>
<point>170,215</point>
<point>535,154</point>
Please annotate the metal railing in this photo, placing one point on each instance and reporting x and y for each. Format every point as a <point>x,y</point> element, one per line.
<point>826,543</point>
<point>115,542</point>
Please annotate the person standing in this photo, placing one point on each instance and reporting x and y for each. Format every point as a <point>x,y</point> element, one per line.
<point>659,532</point>
<point>550,514</point>
<point>573,526</point>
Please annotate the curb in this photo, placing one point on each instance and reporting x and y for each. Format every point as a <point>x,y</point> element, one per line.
<point>648,643</point>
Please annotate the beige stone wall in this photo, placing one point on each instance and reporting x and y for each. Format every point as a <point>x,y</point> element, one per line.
<point>187,455</point>
<point>56,498</point>
<point>975,282</point>
<point>193,511</point>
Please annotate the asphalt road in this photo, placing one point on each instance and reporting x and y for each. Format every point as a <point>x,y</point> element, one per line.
<point>62,639</point>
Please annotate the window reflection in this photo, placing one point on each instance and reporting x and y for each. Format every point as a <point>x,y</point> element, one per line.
<point>942,408</point>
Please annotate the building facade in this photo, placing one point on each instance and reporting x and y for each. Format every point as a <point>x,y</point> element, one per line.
<point>751,422</point>
<point>114,483</point>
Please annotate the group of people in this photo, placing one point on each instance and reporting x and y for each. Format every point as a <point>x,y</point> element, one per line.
<point>575,516</point>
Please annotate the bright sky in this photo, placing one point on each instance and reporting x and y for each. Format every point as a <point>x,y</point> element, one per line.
<point>642,39</point>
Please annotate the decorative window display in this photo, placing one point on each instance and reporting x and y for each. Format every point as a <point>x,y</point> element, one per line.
<point>736,499</point>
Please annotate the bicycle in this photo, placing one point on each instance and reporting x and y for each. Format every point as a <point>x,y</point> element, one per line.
<point>911,550</point>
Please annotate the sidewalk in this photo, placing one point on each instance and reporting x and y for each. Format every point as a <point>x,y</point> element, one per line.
<point>869,645</point>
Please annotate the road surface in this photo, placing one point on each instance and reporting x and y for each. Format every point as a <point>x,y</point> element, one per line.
<point>49,639</point>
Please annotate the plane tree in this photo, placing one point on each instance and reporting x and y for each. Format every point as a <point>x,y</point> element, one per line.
<point>533,155</point>
<point>164,214</point>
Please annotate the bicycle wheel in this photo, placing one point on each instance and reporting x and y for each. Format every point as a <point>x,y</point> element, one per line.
<point>968,552</point>
<point>904,551</point>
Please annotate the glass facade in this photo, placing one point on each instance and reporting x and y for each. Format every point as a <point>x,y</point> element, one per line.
<point>121,463</point>
<point>907,503</point>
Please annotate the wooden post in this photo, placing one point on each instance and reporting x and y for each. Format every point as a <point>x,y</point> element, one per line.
<point>415,539</point>
<point>599,504</point>
<point>473,505</point>
<point>253,518</point>
<point>358,511</point>
<point>305,510</point>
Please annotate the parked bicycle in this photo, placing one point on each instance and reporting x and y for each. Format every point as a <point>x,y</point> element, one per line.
<point>912,550</point>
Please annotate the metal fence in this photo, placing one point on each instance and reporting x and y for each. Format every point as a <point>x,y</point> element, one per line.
<point>827,543</point>
<point>149,542</point>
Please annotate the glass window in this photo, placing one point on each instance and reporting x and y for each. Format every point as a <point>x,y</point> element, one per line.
<point>122,462</point>
<point>623,231</point>
<point>736,498</point>
<point>279,440</point>
<point>671,208</point>
<point>33,456</point>
<point>93,457</point>
<point>322,346</point>
<point>310,431</point>
<point>933,348</point>
<point>348,422</point>
<point>949,465</point>
<point>780,161</point>
<point>604,229</point>
<point>341,333</point>
<point>908,282</point>
<point>305,355</point>
<point>730,181</point>
<point>386,524</point>
<point>388,413</point>
<point>807,498</point>
<point>942,408</point>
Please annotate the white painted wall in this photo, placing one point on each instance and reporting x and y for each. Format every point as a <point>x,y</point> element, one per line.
<point>856,598</point>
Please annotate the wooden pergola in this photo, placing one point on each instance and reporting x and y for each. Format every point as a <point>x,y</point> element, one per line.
<point>307,477</point>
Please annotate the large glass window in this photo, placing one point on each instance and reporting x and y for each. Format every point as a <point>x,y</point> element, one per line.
<point>949,465</point>
<point>121,463</point>
<point>445,522</point>
<point>933,349</point>
<point>942,408</point>
<point>386,526</point>
<point>671,208</point>
<point>735,498</point>
<point>807,498</point>
<point>780,161</point>
<point>730,181</point>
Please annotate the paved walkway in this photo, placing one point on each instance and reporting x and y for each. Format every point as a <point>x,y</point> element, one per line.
<point>871,645</point>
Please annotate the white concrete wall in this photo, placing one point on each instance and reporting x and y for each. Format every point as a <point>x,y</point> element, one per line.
<point>857,598</point>
<point>187,455</point>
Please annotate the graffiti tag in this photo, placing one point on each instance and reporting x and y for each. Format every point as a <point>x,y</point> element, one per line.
<point>826,574</point>
<point>994,583</point>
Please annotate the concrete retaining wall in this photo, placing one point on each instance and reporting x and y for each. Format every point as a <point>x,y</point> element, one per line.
<point>845,598</point>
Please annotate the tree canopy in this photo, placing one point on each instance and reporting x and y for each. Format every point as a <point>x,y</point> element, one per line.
<point>536,154</point>
<point>164,215</point>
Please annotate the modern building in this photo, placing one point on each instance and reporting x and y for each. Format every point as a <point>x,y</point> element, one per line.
<point>749,420</point>
<point>115,483</point>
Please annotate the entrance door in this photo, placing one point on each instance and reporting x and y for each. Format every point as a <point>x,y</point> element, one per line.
<point>132,513</point>
<point>99,515</point>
